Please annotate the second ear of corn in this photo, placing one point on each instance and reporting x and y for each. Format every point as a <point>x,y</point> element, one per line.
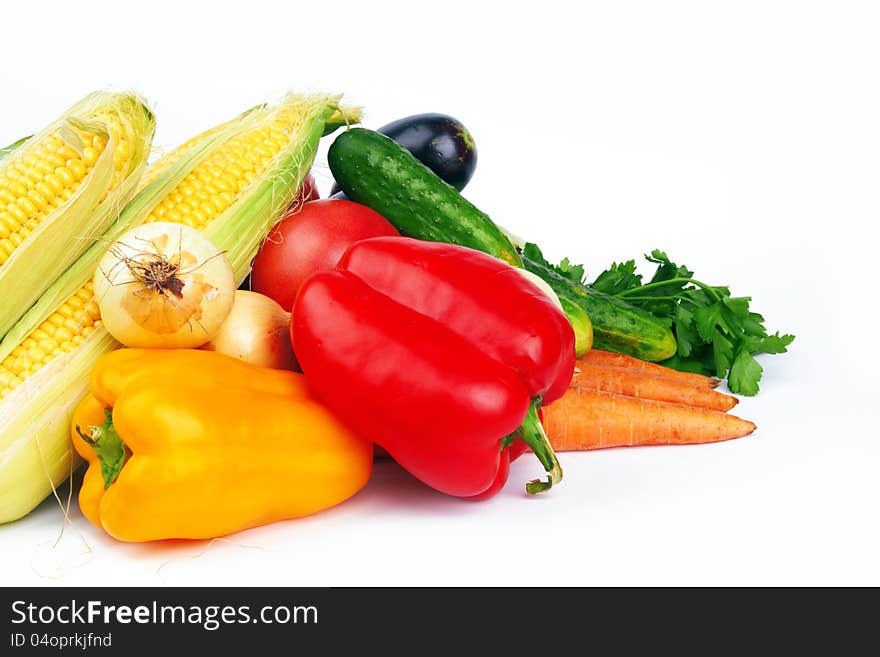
<point>234,182</point>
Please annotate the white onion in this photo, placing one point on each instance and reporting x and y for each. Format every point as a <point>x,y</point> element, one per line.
<point>164,285</point>
<point>257,331</point>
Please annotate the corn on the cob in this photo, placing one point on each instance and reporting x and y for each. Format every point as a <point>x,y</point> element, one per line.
<point>234,183</point>
<point>61,189</point>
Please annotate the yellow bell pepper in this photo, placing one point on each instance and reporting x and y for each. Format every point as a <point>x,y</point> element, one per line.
<point>194,444</point>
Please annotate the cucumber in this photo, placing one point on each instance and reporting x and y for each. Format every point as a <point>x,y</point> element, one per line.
<point>580,324</point>
<point>577,316</point>
<point>375,171</point>
<point>617,326</point>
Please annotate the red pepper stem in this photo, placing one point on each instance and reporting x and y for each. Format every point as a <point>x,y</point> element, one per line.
<point>532,434</point>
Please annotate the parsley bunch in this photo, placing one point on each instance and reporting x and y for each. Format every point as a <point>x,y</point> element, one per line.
<point>716,334</point>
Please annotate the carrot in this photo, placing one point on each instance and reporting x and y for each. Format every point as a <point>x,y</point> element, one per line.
<point>586,419</point>
<point>607,358</point>
<point>645,384</point>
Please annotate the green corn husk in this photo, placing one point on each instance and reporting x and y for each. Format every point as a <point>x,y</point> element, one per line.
<point>7,150</point>
<point>67,231</point>
<point>35,449</point>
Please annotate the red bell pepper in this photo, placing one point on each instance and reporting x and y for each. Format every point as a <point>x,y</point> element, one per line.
<point>508,456</point>
<point>479,297</point>
<point>439,354</point>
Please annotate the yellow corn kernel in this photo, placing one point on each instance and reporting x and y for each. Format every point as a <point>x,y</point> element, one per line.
<point>65,175</point>
<point>54,184</point>
<point>76,167</point>
<point>5,231</point>
<point>18,215</point>
<point>42,193</point>
<point>27,206</point>
<point>14,185</point>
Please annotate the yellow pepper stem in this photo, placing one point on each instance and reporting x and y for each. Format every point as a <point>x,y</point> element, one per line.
<point>108,446</point>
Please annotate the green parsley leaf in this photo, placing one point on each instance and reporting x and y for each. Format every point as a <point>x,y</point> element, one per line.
<point>618,278</point>
<point>753,324</point>
<point>667,270</point>
<point>739,306</point>
<point>570,271</point>
<point>533,252</point>
<point>685,335</point>
<point>565,268</point>
<point>695,363</point>
<point>707,318</point>
<point>722,352</point>
<point>715,333</point>
<point>744,374</point>
<point>774,344</point>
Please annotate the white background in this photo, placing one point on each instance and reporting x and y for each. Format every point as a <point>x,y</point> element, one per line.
<point>740,137</point>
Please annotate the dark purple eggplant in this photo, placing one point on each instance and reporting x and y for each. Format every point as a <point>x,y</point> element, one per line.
<point>438,141</point>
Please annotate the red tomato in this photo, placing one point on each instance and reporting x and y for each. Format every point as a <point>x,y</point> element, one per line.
<point>308,191</point>
<point>310,239</point>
